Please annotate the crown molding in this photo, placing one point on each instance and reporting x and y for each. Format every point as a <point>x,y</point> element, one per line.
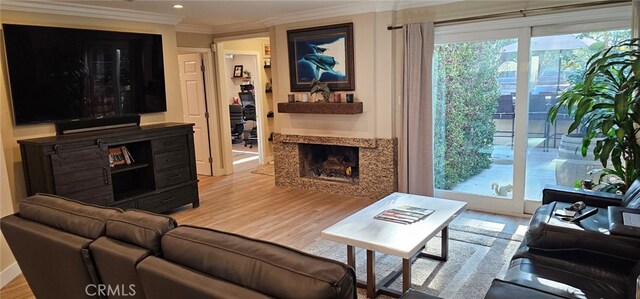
<point>193,28</point>
<point>241,27</point>
<point>330,12</point>
<point>415,4</point>
<point>316,14</point>
<point>80,10</point>
<point>348,9</point>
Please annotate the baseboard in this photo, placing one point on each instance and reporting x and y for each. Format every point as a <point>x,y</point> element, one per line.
<point>9,274</point>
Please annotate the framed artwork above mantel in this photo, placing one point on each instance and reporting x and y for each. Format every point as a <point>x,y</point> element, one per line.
<point>323,53</point>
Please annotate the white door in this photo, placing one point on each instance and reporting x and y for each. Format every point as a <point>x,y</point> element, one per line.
<point>195,109</point>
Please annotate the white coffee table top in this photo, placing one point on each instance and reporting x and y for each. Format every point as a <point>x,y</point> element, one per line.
<point>403,240</point>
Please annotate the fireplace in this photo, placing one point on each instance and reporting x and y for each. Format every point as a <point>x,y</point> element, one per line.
<point>329,162</point>
<point>348,166</point>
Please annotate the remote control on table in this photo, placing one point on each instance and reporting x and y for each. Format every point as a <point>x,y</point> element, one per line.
<point>585,215</point>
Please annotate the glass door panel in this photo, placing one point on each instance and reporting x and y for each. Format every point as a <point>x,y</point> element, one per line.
<point>553,157</point>
<point>474,85</point>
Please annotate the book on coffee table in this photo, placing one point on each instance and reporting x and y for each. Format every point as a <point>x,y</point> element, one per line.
<point>404,214</point>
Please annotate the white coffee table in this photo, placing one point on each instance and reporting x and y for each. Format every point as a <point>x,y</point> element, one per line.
<point>403,240</point>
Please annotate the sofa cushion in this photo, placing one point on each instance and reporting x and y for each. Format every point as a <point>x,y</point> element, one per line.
<point>161,279</point>
<point>582,263</point>
<point>501,289</point>
<point>141,228</point>
<point>562,281</point>
<point>68,215</point>
<point>265,267</point>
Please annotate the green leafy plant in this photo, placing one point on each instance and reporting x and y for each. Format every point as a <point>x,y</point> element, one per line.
<point>605,103</point>
<point>465,93</point>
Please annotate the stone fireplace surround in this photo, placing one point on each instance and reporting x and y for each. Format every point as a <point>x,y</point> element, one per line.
<point>378,159</point>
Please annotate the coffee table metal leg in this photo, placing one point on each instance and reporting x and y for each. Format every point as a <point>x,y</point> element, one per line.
<point>351,256</point>
<point>444,251</point>
<point>406,274</point>
<point>444,248</point>
<point>371,284</point>
<point>371,274</point>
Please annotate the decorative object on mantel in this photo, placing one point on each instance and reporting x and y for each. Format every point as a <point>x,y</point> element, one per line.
<point>321,108</point>
<point>320,91</point>
<point>247,73</point>
<point>321,53</point>
<point>349,98</point>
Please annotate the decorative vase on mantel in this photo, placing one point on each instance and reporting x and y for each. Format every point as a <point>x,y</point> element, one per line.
<point>320,91</point>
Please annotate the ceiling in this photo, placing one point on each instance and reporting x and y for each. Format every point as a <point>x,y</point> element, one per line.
<point>218,16</point>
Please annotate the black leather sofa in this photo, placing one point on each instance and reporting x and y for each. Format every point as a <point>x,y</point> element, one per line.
<point>71,249</point>
<point>599,257</point>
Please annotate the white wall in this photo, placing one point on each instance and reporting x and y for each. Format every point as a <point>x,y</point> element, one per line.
<point>373,81</point>
<point>233,85</point>
<point>248,63</point>
<point>8,266</point>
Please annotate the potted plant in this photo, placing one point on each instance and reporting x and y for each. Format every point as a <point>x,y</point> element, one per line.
<point>605,101</point>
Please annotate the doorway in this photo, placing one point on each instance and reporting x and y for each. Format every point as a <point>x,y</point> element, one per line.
<point>244,108</point>
<point>244,101</point>
<point>195,107</point>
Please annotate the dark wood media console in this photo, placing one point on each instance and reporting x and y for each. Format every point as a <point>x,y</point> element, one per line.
<point>161,178</point>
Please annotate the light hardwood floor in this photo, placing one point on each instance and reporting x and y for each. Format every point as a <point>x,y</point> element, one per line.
<point>251,205</point>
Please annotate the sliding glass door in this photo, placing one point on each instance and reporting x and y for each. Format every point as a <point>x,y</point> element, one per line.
<point>553,156</point>
<point>492,89</point>
<point>474,92</point>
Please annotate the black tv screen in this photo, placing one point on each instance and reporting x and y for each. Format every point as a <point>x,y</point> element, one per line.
<point>63,74</point>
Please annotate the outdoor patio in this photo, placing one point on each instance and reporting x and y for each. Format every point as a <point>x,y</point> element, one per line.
<point>541,167</point>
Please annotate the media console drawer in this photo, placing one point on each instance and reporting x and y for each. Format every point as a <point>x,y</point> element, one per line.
<point>171,159</point>
<point>169,143</point>
<point>167,200</point>
<point>172,177</point>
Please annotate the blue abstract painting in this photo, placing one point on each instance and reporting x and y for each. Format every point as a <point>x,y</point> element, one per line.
<point>323,53</point>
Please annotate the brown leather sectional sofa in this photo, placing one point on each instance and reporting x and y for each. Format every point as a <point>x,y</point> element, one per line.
<point>69,249</point>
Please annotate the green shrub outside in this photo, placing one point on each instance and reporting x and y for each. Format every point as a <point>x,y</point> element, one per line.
<point>465,99</point>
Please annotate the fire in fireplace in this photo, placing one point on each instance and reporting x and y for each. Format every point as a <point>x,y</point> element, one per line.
<point>332,162</point>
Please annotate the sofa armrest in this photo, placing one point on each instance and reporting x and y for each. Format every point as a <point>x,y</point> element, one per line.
<point>501,289</point>
<point>616,222</point>
<point>566,194</point>
<point>550,233</point>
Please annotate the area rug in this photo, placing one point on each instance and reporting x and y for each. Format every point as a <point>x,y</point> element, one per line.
<point>267,169</point>
<point>476,257</point>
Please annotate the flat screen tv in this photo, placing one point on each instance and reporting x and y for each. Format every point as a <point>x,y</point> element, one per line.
<point>60,74</point>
